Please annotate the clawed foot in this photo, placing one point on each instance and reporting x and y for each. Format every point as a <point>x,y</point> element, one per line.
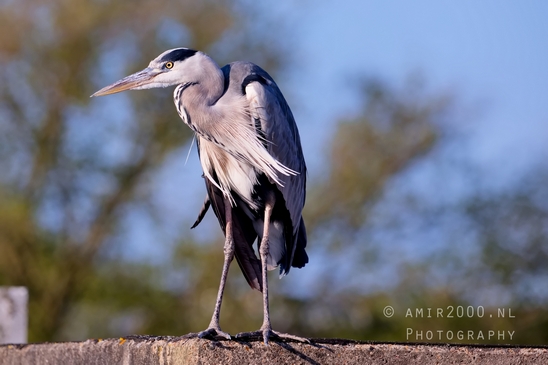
<point>268,333</point>
<point>214,333</point>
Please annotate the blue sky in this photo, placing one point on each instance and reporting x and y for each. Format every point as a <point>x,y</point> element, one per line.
<point>491,54</point>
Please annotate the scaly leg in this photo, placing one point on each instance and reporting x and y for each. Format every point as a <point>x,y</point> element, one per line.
<point>214,329</point>
<point>266,328</point>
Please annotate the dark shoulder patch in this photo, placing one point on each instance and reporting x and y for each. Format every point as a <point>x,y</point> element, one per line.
<point>252,78</point>
<point>179,54</point>
<point>226,72</point>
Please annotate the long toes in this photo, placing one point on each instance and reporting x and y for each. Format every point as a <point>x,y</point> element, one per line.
<point>249,334</point>
<point>214,333</point>
<point>264,333</point>
<point>287,336</point>
<point>268,334</point>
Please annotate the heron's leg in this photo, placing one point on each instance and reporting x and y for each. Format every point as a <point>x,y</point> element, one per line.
<point>214,329</point>
<point>266,328</point>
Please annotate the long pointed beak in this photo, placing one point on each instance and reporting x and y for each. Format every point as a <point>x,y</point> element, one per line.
<point>136,80</point>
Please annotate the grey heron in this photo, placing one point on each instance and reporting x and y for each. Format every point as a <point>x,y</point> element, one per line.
<point>253,166</point>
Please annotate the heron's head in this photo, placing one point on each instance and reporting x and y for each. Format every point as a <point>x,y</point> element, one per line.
<point>175,66</point>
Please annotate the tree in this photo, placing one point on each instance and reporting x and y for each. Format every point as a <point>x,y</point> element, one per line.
<point>395,129</point>
<point>476,248</point>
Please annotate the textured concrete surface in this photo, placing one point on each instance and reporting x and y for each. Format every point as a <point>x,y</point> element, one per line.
<point>138,350</point>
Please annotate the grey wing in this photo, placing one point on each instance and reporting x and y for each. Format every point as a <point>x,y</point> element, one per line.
<point>270,111</point>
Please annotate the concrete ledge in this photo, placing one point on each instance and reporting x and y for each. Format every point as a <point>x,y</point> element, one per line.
<point>190,350</point>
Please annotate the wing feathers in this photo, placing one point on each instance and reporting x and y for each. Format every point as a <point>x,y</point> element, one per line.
<point>270,111</point>
<point>231,131</point>
<point>268,105</point>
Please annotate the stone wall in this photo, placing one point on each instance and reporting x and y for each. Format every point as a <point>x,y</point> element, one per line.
<point>137,350</point>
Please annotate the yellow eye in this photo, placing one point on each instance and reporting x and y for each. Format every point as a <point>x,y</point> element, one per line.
<point>168,64</point>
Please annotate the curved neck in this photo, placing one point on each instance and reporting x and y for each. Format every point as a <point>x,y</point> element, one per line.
<point>195,99</point>
<point>208,86</point>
